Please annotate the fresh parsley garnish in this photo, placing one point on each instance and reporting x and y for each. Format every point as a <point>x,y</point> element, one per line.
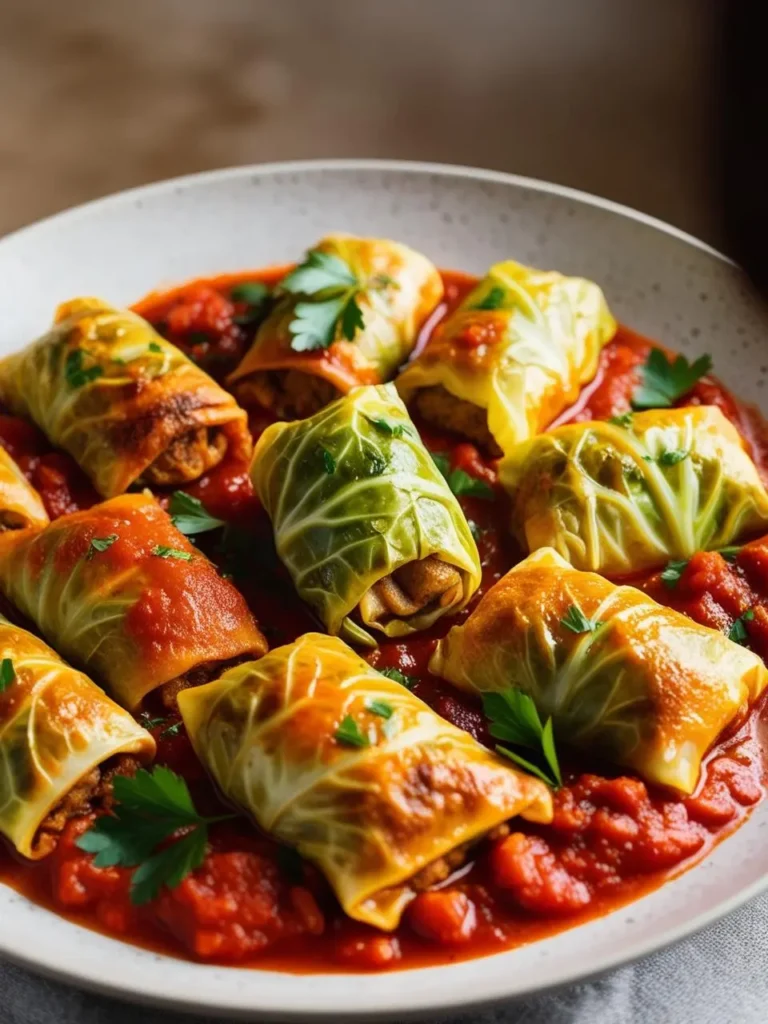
<point>462,484</point>
<point>149,722</point>
<point>514,718</point>
<point>190,516</point>
<point>100,544</point>
<point>172,730</point>
<point>624,420</point>
<point>672,572</point>
<point>7,674</point>
<point>154,347</point>
<point>314,325</point>
<point>382,708</point>
<point>671,456</point>
<point>76,374</point>
<point>149,808</point>
<point>329,463</point>
<point>319,272</point>
<point>165,552</point>
<point>349,733</point>
<point>577,621</point>
<point>730,554</point>
<point>738,631</point>
<point>664,382</point>
<point>493,300</point>
<point>387,428</point>
<point>399,677</point>
<point>254,293</point>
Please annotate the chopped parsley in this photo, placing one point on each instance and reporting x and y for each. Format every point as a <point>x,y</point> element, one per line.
<point>253,293</point>
<point>7,674</point>
<point>494,299</point>
<point>190,516</point>
<point>382,708</point>
<point>577,621</point>
<point>390,429</point>
<point>76,374</point>
<point>154,347</point>
<point>738,631</point>
<point>399,677</point>
<point>100,544</point>
<point>672,572</point>
<point>731,553</point>
<point>624,420</point>
<point>514,718</point>
<point>329,463</point>
<point>665,382</point>
<point>462,484</point>
<point>349,733</point>
<point>672,456</point>
<point>165,552</point>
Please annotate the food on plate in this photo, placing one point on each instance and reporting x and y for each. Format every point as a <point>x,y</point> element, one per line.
<point>619,674</point>
<point>620,497</point>
<point>61,741</point>
<point>126,404</point>
<point>363,519</point>
<point>20,504</point>
<point>348,315</point>
<point>511,357</point>
<point>355,772</point>
<point>119,590</point>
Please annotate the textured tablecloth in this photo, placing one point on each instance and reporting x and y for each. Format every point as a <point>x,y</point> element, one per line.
<point>717,977</point>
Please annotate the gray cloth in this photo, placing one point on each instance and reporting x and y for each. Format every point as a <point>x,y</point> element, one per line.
<point>716,977</point>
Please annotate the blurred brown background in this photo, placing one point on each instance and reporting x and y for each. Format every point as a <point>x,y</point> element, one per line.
<point>612,96</point>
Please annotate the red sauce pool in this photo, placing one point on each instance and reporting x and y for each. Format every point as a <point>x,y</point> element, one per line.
<point>612,838</point>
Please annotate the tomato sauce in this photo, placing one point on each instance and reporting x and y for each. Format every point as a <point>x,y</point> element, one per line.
<point>256,903</point>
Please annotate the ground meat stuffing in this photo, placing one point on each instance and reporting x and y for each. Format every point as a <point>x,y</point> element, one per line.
<point>290,394</point>
<point>442,409</point>
<point>412,588</point>
<point>188,457</point>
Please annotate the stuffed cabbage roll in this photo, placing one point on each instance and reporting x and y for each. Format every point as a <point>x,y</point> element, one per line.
<point>125,403</point>
<point>121,592</point>
<point>364,521</point>
<point>620,498</point>
<point>20,504</point>
<point>349,315</point>
<point>360,776</point>
<point>61,741</point>
<point>511,357</point>
<point>619,674</point>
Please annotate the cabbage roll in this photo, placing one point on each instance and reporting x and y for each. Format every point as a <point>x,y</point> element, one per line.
<point>295,373</point>
<point>125,403</point>
<point>620,498</point>
<point>512,356</point>
<point>61,741</point>
<point>122,593</point>
<point>619,674</point>
<point>365,523</point>
<point>361,777</point>
<point>20,504</point>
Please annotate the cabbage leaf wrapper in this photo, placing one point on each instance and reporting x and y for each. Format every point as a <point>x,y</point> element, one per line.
<point>20,504</point>
<point>126,404</point>
<point>373,813</point>
<point>512,357</point>
<point>619,499</point>
<point>638,683</point>
<point>56,726</point>
<point>121,592</point>
<point>398,288</point>
<point>363,519</point>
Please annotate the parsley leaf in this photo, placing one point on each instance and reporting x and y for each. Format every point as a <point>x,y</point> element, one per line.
<point>351,319</point>
<point>664,382</point>
<point>462,484</point>
<point>319,271</point>
<point>738,631</point>
<point>314,323</point>
<point>7,674</point>
<point>172,730</point>
<point>149,722</point>
<point>254,293</point>
<point>165,552</point>
<point>76,375</point>
<point>332,290</point>
<point>671,456</point>
<point>149,808</point>
<point>349,733</point>
<point>399,677</point>
<point>514,718</point>
<point>190,516</point>
<point>154,347</point>
<point>730,554</point>
<point>493,300</point>
<point>577,622</point>
<point>100,544</point>
<point>624,420</point>
<point>672,573</point>
<point>387,428</point>
<point>329,463</point>
<point>382,708</point>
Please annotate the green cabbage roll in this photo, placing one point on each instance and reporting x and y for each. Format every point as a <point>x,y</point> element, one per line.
<point>60,739</point>
<point>348,767</point>
<point>620,675</point>
<point>619,498</point>
<point>363,519</point>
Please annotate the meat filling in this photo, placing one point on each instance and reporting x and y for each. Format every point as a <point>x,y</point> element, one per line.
<point>411,589</point>
<point>197,676</point>
<point>290,394</point>
<point>92,792</point>
<point>441,408</point>
<point>445,866</point>
<point>187,457</point>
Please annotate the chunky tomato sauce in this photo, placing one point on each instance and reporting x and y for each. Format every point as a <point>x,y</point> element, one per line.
<point>612,838</point>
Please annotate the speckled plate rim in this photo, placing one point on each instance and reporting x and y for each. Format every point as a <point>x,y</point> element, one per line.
<point>45,943</point>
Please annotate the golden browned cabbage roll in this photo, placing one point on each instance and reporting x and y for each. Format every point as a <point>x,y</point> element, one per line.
<point>20,504</point>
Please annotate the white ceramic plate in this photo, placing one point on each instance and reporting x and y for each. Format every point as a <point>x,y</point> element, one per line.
<point>657,279</point>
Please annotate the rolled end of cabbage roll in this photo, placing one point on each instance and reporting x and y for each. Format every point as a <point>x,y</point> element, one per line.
<point>60,737</point>
<point>124,402</point>
<point>119,590</point>
<point>512,356</point>
<point>314,347</point>
<point>363,519</point>
<point>20,504</point>
<point>619,674</point>
<point>352,770</point>
<point>619,499</point>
